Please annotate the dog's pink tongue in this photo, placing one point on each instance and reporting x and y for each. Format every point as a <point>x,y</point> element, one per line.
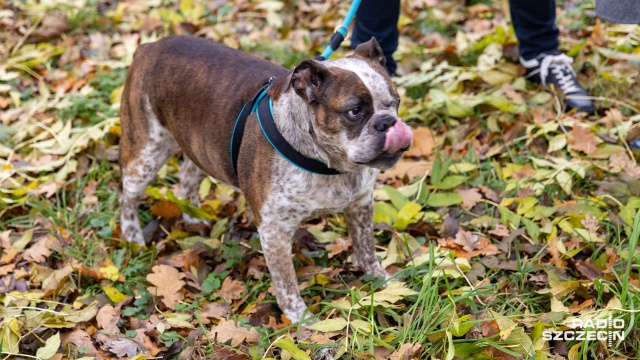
<point>398,137</point>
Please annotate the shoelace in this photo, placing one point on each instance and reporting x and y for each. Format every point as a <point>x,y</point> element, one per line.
<point>560,66</point>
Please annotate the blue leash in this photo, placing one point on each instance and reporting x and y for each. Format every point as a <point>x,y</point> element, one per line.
<point>340,32</point>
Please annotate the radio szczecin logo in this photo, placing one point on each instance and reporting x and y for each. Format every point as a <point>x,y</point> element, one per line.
<point>607,329</point>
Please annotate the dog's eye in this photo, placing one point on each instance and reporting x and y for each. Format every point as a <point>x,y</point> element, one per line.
<point>355,113</point>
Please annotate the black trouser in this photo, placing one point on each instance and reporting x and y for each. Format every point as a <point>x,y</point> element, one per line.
<point>533,22</point>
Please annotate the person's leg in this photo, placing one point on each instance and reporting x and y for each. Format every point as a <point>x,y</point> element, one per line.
<point>537,33</point>
<point>378,18</point>
<point>534,22</point>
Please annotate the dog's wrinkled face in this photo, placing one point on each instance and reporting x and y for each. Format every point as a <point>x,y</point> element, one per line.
<point>356,108</point>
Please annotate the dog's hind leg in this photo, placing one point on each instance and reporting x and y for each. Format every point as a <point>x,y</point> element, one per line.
<point>190,178</point>
<point>144,147</point>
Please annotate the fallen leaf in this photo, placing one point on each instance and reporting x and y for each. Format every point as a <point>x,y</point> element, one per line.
<point>231,289</point>
<point>168,283</point>
<point>166,209</point>
<point>511,93</point>
<point>80,339</point>
<point>38,252</point>
<point>489,194</point>
<point>583,140</point>
<point>50,347</point>
<point>408,168</point>
<point>255,267</point>
<point>575,307</point>
<point>107,319</point>
<point>598,34</point>
<point>467,240</point>
<point>329,325</point>
<point>406,352</point>
<point>500,230</point>
<point>423,142</point>
<point>215,310</point>
<point>228,330</point>
<point>588,269</point>
<point>120,345</point>
<point>470,197</point>
<point>341,245</point>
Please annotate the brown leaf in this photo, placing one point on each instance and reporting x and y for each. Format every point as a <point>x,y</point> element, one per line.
<point>166,209</point>
<point>80,339</point>
<point>588,269</point>
<point>511,93</point>
<point>38,252</point>
<point>470,197</point>
<point>539,280</point>
<point>6,269</point>
<point>598,35</point>
<point>483,247</point>
<point>500,230</point>
<point>423,142</point>
<point>489,194</point>
<point>107,319</point>
<point>168,283</point>
<point>408,168</point>
<point>541,116</point>
<point>255,266</point>
<point>85,271</point>
<point>120,345</point>
<point>215,310</point>
<point>583,140</point>
<point>575,307</point>
<point>224,353</point>
<point>231,289</point>
<point>50,28</point>
<point>433,40</point>
<point>339,247</point>
<point>489,328</point>
<point>467,240</point>
<point>524,173</point>
<point>5,241</point>
<point>227,330</point>
<point>406,352</point>
<point>493,262</point>
<point>590,223</point>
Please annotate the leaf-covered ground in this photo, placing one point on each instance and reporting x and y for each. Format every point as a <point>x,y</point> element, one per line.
<point>506,219</point>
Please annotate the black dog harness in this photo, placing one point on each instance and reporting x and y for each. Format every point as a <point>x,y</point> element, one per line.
<point>262,104</point>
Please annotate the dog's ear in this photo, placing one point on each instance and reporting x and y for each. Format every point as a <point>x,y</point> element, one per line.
<point>308,78</point>
<point>371,50</point>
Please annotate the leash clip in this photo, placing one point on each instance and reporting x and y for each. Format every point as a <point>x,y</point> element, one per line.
<point>346,31</point>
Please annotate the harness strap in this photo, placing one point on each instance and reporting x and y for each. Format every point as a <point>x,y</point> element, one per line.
<point>263,105</point>
<point>282,146</point>
<point>238,129</point>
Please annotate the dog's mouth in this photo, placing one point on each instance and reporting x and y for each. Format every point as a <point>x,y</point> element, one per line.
<point>384,160</point>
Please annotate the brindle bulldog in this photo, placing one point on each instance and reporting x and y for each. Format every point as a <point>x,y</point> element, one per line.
<point>184,94</point>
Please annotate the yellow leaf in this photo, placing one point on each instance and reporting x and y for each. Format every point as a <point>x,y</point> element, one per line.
<point>361,325</point>
<point>50,347</point>
<point>11,337</point>
<point>110,272</point>
<point>179,320</point>
<point>321,279</point>
<point>329,325</point>
<point>574,352</point>
<point>113,294</point>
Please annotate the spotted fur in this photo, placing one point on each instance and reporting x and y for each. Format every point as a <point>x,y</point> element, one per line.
<point>170,103</point>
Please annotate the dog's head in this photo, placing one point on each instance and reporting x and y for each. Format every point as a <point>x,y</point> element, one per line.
<point>355,108</point>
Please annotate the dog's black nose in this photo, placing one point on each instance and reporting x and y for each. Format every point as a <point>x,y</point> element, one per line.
<point>383,123</point>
